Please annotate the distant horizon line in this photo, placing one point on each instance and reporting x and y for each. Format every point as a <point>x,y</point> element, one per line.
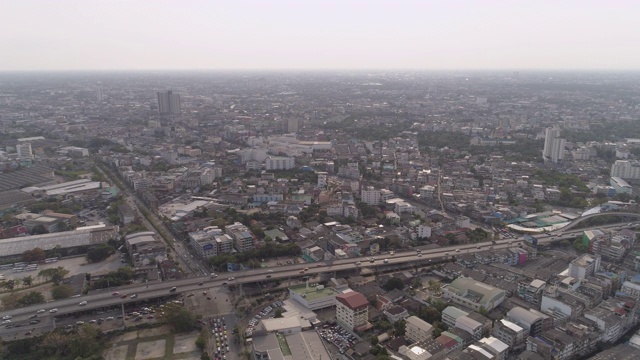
<point>281,70</point>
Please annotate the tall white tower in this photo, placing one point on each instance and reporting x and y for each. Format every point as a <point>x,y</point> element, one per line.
<point>553,145</point>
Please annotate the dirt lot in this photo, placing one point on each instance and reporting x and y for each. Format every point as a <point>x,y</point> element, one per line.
<point>156,343</point>
<point>75,266</point>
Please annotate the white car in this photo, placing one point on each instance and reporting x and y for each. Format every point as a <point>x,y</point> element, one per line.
<point>55,310</point>
<point>40,311</point>
<point>82,303</point>
<point>6,317</point>
<point>6,322</point>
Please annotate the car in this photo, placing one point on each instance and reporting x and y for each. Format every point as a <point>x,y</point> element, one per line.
<point>54,310</point>
<point>92,321</point>
<point>123,296</point>
<point>446,254</point>
<point>358,263</point>
<point>40,311</point>
<point>6,322</point>
<point>386,261</point>
<point>79,322</point>
<point>173,289</point>
<point>269,271</point>
<point>301,271</point>
<point>150,317</point>
<point>82,303</point>
<point>204,293</point>
<point>115,293</point>
<point>200,283</point>
<point>457,250</point>
<point>213,275</point>
<point>231,278</point>
<point>268,275</point>
<point>419,255</point>
<point>29,332</point>
<point>109,318</point>
<point>7,317</point>
<point>306,269</point>
<point>224,283</point>
<point>134,296</point>
<point>33,316</point>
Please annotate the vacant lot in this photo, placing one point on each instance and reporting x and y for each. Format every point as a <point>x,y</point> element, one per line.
<point>153,344</point>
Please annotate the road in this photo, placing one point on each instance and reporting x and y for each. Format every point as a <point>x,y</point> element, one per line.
<point>182,254</point>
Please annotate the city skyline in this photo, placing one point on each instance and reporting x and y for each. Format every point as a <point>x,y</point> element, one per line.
<point>288,35</point>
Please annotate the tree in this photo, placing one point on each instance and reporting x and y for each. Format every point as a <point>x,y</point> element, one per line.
<point>27,280</point>
<point>61,292</point>
<point>393,283</point>
<point>278,313</point>
<point>31,298</point>
<point>39,229</point>
<point>373,340</point>
<point>54,274</point>
<point>36,254</point>
<point>201,340</point>
<point>580,246</point>
<point>10,284</point>
<point>179,318</point>
<point>399,328</point>
<point>99,253</point>
<point>483,311</point>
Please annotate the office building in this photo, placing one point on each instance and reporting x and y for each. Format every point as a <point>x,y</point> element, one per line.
<point>279,163</point>
<point>553,145</point>
<point>584,266</point>
<point>99,93</point>
<point>242,236</point>
<point>626,169</point>
<point>352,310</point>
<point>370,196</point>
<point>313,297</point>
<point>168,103</point>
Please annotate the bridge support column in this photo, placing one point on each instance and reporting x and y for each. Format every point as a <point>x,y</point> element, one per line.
<point>240,292</point>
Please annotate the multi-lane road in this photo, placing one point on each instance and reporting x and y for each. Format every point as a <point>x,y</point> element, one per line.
<point>165,289</point>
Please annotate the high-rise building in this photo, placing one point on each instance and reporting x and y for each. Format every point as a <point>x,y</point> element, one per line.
<point>626,169</point>
<point>292,126</point>
<point>168,103</point>
<point>24,151</point>
<point>100,93</point>
<point>370,196</point>
<point>553,145</point>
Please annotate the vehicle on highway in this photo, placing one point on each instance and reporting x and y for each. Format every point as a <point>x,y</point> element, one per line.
<point>40,311</point>
<point>392,253</point>
<point>200,283</point>
<point>82,303</point>
<point>457,250</point>
<point>419,255</point>
<point>231,278</point>
<point>268,275</point>
<point>123,296</point>
<point>134,296</point>
<point>173,289</point>
<point>115,293</point>
<point>7,317</point>
<point>446,254</point>
<point>213,275</point>
<point>33,316</point>
<point>6,322</point>
<point>269,271</point>
<point>358,263</point>
<point>54,310</point>
<point>301,271</point>
<point>386,261</point>
<point>79,322</point>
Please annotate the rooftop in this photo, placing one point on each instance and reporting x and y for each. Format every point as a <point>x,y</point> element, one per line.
<point>313,293</point>
<point>353,300</point>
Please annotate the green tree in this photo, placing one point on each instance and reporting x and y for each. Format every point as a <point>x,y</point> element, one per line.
<point>35,254</point>
<point>393,283</point>
<point>180,318</point>
<point>99,253</point>
<point>61,292</point>
<point>39,229</point>
<point>31,298</point>
<point>10,284</point>
<point>27,280</point>
<point>278,313</point>
<point>399,328</point>
<point>202,339</point>
<point>54,274</point>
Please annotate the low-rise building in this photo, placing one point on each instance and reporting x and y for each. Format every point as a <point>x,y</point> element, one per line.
<point>474,294</point>
<point>417,330</point>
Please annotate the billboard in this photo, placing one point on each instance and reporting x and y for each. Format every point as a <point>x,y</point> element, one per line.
<point>207,247</point>
<point>234,267</point>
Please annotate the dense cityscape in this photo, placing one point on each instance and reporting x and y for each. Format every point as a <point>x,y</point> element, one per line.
<point>320,215</point>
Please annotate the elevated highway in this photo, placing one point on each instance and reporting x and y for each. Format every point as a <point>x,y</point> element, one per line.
<point>105,299</point>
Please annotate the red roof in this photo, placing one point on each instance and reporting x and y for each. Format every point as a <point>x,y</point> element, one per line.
<point>353,300</point>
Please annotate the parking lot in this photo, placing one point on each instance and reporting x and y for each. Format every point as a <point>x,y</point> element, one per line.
<point>75,265</point>
<point>337,336</point>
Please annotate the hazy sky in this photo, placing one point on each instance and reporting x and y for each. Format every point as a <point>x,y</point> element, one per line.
<point>309,34</point>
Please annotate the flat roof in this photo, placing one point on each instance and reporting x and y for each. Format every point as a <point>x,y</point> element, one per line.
<point>66,239</point>
<point>313,293</point>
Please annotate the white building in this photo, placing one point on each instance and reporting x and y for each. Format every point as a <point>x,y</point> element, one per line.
<point>242,236</point>
<point>553,145</point>
<point>621,186</point>
<point>352,310</point>
<point>24,151</point>
<point>417,329</point>
<point>279,163</point>
<point>424,231</point>
<point>474,294</point>
<point>313,297</point>
<point>370,196</point>
<point>626,169</point>
<point>463,222</point>
<point>204,241</point>
<point>426,192</point>
<point>584,266</point>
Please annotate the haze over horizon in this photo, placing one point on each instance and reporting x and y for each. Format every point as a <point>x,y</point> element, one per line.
<point>318,35</point>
